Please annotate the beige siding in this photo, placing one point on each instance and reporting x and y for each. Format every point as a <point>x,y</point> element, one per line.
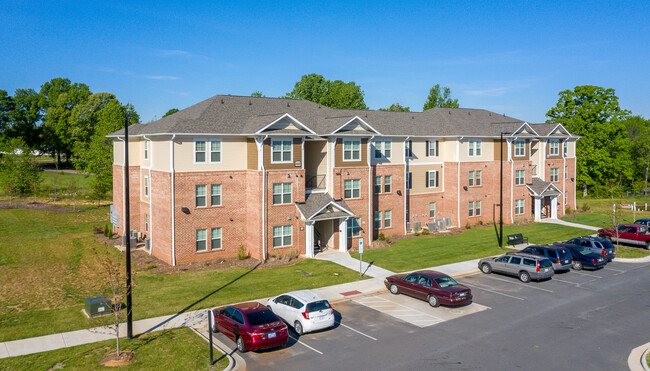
<point>159,151</point>
<point>118,152</point>
<point>145,173</point>
<point>233,155</point>
<point>419,177</point>
<point>296,155</point>
<point>338,155</point>
<point>419,149</point>
<point>397,152</point>
<point>572,149</point>
<point>487,150</point>
<point>316,157</point>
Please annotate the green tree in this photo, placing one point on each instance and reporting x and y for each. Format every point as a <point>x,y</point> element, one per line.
<point>19,172</point>
<point>6,107</point>
<point>25,118</point>
<point>440,97</point>
<point>603,156</point>
<point>170,112</point>
<point>396,107</point>
<point>638,132</point>
<point>334,94</point>
<point>258,94</point>
<point>60,97</point>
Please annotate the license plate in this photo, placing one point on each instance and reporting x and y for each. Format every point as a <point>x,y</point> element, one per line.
<point>566,262</point>
<point>545,269</point>
<point>271,335</point>
<point>600,259</point>
<point>462,294</point>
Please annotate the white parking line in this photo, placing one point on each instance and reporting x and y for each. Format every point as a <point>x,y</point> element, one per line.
<point>494,292</point>
<point>587,274</point>
<point>298,341</point>
<point>399,311</point>
<point>615,270</point>
<point>357,331</point>
<point>571,283</point>
<point>520,284</point>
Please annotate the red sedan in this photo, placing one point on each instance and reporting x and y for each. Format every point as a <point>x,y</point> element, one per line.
<point>251,326</point>
<point>435,287</point>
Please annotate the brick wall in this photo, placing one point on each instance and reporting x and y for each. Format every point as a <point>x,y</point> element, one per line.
<point>285,214</point>
<point>161,218</point>
<point>389,201</point>
<point>488,192</point>
<point>360,206</point>
<point>137,217</point>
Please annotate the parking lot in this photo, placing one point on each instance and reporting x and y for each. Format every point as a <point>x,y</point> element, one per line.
<point>604,312</point>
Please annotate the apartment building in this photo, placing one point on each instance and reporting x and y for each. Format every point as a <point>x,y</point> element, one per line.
<point>277,175</point>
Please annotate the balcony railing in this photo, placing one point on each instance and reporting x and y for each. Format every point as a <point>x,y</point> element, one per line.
<point>316,181</point>
<point>534,170</point>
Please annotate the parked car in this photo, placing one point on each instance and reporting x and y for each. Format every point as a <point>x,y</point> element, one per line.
<point>559,256</point>
<point>597,245</point>
<point>583,257</point>
<point>434,287</point>
<point>645,222</point>
<point>634,234</point>
<point>251,326</point>
<point>525,266</point>
<point>305,310</point>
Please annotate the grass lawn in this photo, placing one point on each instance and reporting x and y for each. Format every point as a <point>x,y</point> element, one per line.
<point>47,269</point>
<point>177,349</point>
<point>429,251</point>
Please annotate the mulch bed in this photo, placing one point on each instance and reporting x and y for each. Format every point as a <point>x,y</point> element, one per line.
<point>112,360</point>
<point>37,206</point>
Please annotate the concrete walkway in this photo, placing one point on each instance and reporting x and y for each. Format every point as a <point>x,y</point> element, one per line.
<point>569,224</point>
<point>637,358</point>
<point>344,259</point>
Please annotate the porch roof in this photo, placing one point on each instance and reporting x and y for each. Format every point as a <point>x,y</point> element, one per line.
<point>323,206</point>
<point>541,188</point>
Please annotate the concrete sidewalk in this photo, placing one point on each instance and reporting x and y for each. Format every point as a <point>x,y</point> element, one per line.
<point>569,224</point>
<point>344,259</point>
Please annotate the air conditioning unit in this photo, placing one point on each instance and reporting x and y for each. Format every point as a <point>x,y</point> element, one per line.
<point>147,243</point>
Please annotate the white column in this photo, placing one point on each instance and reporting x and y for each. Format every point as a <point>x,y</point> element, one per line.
<point>554,207</point>
<point>538,209</point>
<point>309,239</point>
<point>343,235</point>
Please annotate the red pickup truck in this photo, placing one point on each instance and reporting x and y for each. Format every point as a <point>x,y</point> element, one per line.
<point>634,234</point>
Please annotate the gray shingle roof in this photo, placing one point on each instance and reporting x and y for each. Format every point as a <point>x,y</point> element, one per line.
<point>316,201</point>
<point>542,188</point>
<point>225,114</point>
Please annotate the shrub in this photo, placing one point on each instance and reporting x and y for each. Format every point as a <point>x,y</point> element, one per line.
<point>468,226</point>
<point>388,240</point>
<point>242,253</point>
<point>293,253</point>
<point>382,237</point>
<point>425,231</point>
<point>108,230</point>
<point>151,266</point>
<point>585,208</point>
<point>98,230</point>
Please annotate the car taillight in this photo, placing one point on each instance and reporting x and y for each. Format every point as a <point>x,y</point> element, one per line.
<point>593,261</point>
<point>283,330</point>
<point>558,261</point>
<point>257,335</point>
<point>602,252</point>
<point>537,265</point>
<point>305,314</point>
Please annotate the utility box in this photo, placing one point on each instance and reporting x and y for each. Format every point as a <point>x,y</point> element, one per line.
<point>98,306</point>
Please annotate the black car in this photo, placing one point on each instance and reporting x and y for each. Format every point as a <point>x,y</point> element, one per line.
<point>597,245</point>
<point>583,257</point>
<point>559,256</point>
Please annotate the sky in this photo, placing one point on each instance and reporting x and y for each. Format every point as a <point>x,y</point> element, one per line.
<point>510,57</point>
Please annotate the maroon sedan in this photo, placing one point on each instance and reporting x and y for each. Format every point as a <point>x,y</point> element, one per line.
<point>251,325</point>
<point>435,287</point>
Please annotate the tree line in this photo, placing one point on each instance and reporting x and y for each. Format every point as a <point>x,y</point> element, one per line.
<point>63,120</point>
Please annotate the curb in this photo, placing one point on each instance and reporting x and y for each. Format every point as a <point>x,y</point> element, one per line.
<point>633,260</point>
<point>636,361</point>
<point>233,364</point>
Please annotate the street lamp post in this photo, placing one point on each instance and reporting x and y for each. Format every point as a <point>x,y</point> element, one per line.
<point>129,317</point>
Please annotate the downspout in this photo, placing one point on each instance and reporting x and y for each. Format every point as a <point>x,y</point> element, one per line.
<point>150,196</point>
<point>512,174</point>
<point>406,166</point>
<point>371,229</point>
<point>458,176</point>
<point>565,177</point>
<point>173,174</point>
<point>264,191</point>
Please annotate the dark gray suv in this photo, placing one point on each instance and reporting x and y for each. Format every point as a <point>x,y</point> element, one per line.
<point>597,245</point>
<point>524,266</point>
<point>559,256</point>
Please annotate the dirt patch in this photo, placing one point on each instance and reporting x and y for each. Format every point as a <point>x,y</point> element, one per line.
<point>57,366</point>
<point>112,360</point>
<point>37,206</point>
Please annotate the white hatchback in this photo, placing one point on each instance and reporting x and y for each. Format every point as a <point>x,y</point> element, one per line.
<point>305,310</point>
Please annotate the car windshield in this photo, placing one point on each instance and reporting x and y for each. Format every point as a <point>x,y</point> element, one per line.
<point>261,317</point>
<point>563,253</point>
<point>583,250</point>
<point>446,282</point>
<point>544,263</point>
<point>318,305</point>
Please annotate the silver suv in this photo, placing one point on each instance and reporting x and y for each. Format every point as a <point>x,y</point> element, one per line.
<point>524,266</point>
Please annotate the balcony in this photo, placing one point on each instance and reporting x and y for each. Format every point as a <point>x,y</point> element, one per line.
<point>315,182</point>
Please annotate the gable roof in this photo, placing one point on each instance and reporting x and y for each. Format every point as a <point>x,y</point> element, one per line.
<point>541,188</point>
<point>323,206</point>
<point>239,115</point>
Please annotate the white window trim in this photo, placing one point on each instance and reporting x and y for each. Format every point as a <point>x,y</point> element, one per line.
<point>478,146</point>
<point>196,240</point>
<point>146,149</point>
<point>290,151</point>
<point>351,189</point>
<point>382,149</point>
<point>434,209</point>
<point>429,179</point>
<point>352,141</point>
<point>378,225</point>
<point>146,186</point>
<point>282,193</point>
<point>146,222</point>
<point>551,145</point>
<point>470,178</point>
<point>205,196</point>
<point>478,178</point>
<point>557,174</point>
<point>389,218</point>
<point>220,239</point>
<point>209,151</point>
<point>389,184</point>
<point>408,149</point>
<point>523,178</point>
<point>380,184</point>
<point>282,235</point>
<point>220,195</point>
<point>207,142</point>
<point>523,207</point>
<point>431,142</point>
<point>523,151</point>
<point>350,228</point>
<point>477,208</point>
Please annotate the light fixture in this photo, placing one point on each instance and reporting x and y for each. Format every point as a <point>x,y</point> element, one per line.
<point>288,175</point>
<point>347,173</point>
<point>288,218</point>
<point>185,210</point>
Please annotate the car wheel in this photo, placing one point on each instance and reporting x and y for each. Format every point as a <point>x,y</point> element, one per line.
<point>394,289</point>
<point>240,345</point>
<point>577,265</point>
<point>524,277</point>
<point>486,268</point>
<point>433,301</point>
<point>298,327</point>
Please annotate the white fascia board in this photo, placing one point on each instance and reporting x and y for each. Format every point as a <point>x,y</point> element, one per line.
<point>352,119</point>
<point>286,115</point>
<point>333,204</point>
<point>525,125</point>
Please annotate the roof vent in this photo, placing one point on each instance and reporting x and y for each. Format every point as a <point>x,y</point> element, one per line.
<point>490,113</point>
<point>504,115</point>
<point>221,100</point>
<point>250,103</point>
<point>287,104</point>
<point>412,117</point>
<point>366,115</point>
<point>469,113</point>
<point>450,112</point>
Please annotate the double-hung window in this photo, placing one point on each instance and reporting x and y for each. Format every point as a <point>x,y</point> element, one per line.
<point>520,148</point>
<point>471,178</point>
<point>387,184</point>
<point>282,235</point>
<point>215,150</point>
<point>352,188</point>
<point>377,184</point>
<point>408,148</point>
<point>474,148</point>
<point>409,180</point>
<point>475,208</point>
<point>432,179</point>
<point>281,150</point>
<point>215,238</point>
<point>565,148</point>
<point>432,209</point>
<point>475,178</point>
<point>377,219</point>
<point>146,186</point>
<point>383,149</point>
<point>281,193</point>
<point>351,149</point>
<point>555,174</point>
<point>432,148</point>
<point>554,147</point>
<point>199,152</point>
<point>477,181</point>
<point>146,149</point>
<point>519,177</point>
<point>519,207</point>
<point>200,193</point>
<point>566,172</point>
<point>146,222</point>
<point>471,208</point>
<point>215,194</point>
<point>201,239</point>
<point>387,218</point>
<point>354,227</point>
